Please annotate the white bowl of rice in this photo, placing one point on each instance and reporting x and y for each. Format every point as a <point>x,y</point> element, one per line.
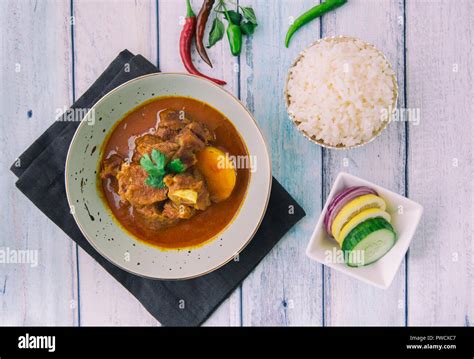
<point>341,92</point>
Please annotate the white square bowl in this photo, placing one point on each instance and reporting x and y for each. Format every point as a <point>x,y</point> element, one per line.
<point>405,215</point>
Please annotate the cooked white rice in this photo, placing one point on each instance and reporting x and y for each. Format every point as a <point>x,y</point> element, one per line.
<point>339,90</point>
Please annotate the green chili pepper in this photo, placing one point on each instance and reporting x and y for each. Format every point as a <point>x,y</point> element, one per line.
<point>312,14</point>
<point>234,35</point>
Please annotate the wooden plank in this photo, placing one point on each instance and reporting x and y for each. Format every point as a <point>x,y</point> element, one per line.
<point>35,75</point>
<point>286,288</point>
<point>441,161</point>
<point>379,22</point>
<point>171,14</point>
<point>103,29</point>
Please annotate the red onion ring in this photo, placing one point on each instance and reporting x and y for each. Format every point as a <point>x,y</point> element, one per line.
<point>340,200</point>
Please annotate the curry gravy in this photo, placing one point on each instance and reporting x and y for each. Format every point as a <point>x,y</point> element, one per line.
<point>205,225</point>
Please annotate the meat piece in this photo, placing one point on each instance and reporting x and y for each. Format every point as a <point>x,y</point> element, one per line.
<point>188,141</point>
<point>201,130</point>
<point>173,119</point>
<point>132,187</point>
<point>110,166</point>
<point>188,188</point>
<point>192,139</point>
<point>189,145</point>
<point>146,143</point>
<point>152,216</point>
<point>172,211</point>
<point>166,133</point>
<point>171,122</point>
<point>189,137</point>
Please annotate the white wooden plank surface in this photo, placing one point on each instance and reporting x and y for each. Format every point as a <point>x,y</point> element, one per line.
<point>379,22</point>
<point>102,30</point>
<point>171,18</point>
<point>440,59</point>
<point>35,65</point>
<point>286,289</point>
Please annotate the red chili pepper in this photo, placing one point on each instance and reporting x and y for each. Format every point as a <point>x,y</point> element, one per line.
<point>202,18</point>
<point>185,42</point>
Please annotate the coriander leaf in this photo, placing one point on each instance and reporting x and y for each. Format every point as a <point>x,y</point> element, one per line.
<point>146,162</point>
<point>176,166</point>
<point>159,158</point>
<point>155,168</point>
<point>156,182</point>
<point>156,172</point>
<point>217,32</point>
<point>247,28</point>
<point>249,14</point>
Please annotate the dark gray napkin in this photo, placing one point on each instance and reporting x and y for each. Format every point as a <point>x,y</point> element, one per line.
<point>40,172</point>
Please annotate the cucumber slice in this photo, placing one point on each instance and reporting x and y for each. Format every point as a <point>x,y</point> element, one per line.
<point>368,242</point>
<point>358,219</point>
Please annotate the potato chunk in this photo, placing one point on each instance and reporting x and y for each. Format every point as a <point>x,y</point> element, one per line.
<point>219,172</point>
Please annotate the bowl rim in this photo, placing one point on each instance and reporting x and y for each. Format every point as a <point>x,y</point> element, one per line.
<point>287,96</point>
<point>259,133</point>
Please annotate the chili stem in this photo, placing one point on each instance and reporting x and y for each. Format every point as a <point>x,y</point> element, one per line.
<point>189,10</point>
<point>225,11</point>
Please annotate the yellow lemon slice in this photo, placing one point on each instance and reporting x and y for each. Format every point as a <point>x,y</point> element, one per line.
<point>358,219</point>
<point>353,208</point>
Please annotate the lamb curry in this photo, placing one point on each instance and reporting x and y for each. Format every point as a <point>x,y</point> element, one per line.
<point>167,173</point>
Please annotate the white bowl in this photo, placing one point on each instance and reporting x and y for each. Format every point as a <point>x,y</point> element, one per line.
<point>95,219</point>
<point>405,215</point>
<point>292,117</point>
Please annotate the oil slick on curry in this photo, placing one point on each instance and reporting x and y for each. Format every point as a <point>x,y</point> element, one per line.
<point>166,176</point>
